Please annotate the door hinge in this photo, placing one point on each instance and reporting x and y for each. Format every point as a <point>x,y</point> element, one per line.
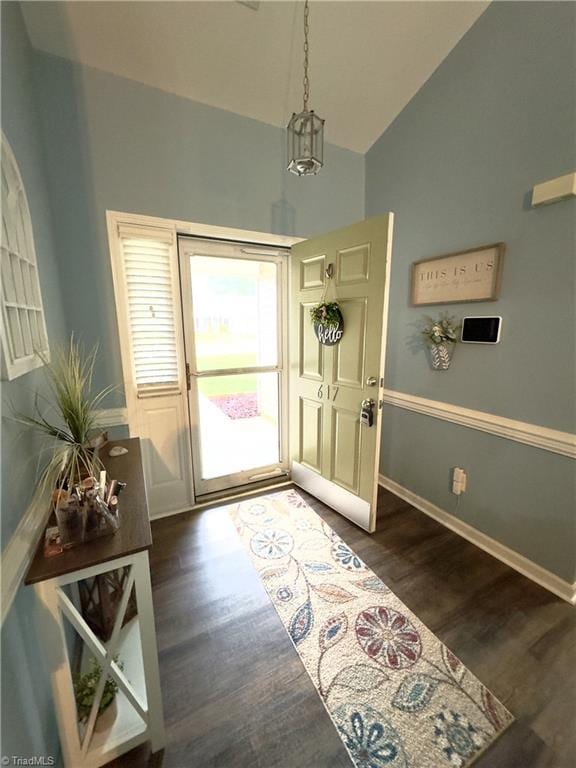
<point>188,377</point>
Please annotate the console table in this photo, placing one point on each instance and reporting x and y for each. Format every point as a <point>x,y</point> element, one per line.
<point>129,656</point>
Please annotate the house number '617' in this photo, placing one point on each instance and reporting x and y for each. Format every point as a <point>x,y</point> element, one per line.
<point>325,391</point>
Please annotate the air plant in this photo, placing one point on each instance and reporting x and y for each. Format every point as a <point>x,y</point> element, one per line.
<point>69,375</point>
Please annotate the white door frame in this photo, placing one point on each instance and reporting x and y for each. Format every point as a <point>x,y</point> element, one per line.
<point>176,226</point>
<point>229,250</point>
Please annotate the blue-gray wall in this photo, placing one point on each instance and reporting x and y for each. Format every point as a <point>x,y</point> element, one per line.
<point>86,142</point>
<point>457,167</point>
<point>112,143</point>
<point>28,723</point>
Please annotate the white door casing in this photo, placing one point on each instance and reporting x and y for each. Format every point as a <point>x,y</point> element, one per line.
<point>163,421</point>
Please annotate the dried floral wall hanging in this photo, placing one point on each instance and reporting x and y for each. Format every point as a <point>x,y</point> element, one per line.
<point>441,335</point>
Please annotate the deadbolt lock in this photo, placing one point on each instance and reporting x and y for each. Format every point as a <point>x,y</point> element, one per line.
<point>371,381</point>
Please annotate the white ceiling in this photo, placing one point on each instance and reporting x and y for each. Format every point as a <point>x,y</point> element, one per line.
<point>367,58</point>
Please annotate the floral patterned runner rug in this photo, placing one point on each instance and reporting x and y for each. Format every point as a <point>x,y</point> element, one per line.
<point>397,696</point>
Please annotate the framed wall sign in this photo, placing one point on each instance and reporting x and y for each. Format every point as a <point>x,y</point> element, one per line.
<point>466,276</point>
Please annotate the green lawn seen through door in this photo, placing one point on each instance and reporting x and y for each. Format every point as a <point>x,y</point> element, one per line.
<point>228,384</point>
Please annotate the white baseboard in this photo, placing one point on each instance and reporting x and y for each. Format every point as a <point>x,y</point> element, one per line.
<point>18,553</point>
<point>522,564</point>
<point>171,512</point>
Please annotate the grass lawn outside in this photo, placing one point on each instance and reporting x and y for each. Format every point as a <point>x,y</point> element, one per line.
<point>227,385</point>
<point>220,351</point>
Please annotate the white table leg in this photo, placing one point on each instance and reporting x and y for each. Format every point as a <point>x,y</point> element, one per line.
<point>149,650</point>
<point>51,630</point>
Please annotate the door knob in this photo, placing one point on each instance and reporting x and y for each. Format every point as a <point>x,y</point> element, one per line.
<point>371,381</point>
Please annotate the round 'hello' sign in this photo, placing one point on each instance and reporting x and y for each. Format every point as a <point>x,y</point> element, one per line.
<point>329,335</point>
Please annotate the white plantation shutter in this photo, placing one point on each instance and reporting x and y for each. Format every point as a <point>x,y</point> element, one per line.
<point>149,312</point>
<point>148,262</point>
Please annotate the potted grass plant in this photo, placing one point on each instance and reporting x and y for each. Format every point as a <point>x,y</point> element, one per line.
<point>67,420</point>
<point>441,335</point>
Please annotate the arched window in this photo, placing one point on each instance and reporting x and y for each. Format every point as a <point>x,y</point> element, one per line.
<point>24,338</point>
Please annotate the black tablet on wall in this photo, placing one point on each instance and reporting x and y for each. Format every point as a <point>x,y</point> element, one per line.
<point>481,330</point>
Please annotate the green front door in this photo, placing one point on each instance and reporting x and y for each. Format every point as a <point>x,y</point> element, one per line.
<point>334,455</point>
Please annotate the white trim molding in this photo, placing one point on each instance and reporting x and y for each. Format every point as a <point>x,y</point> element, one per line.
<point>553,190</point>
<point>111,417</point>
<point>18,553</point>
<point>196,229</point>
<point>143,415</point>
<point>547,439</point>
<point>515,560</point>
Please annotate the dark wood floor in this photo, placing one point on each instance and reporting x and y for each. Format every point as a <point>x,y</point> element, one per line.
<point>237,696</point>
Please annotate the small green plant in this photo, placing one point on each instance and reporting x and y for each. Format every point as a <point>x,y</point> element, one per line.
<point>444,330</point>
<point>327,315</point>
<point>85,689</point>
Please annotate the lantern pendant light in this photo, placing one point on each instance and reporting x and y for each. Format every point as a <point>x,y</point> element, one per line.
<point>305,130</point>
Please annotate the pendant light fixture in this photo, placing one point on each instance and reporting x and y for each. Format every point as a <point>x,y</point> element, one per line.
<point>305,130</point>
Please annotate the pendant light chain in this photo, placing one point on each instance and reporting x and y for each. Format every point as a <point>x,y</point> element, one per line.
<point>306,80</point>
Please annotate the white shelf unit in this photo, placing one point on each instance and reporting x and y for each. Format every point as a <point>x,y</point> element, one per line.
<point>139,705</point>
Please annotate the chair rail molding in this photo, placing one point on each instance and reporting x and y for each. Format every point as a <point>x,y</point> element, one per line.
<point>547,439</point>
<point>111,417</point>
<point>19,551</point>
<point>509,557</point>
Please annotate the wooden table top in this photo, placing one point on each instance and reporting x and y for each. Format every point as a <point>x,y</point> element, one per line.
<point>133,535</point>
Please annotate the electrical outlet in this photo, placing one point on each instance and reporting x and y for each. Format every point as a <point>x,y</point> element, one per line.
<point>459,479</point>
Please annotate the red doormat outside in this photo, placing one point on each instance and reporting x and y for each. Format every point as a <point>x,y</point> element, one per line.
<point>240,406</point>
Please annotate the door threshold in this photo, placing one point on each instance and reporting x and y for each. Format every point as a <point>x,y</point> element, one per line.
<point>241,491</point>
<point>223,497</point>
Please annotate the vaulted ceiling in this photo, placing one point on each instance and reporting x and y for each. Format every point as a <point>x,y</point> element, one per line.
<point>367,59</point>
